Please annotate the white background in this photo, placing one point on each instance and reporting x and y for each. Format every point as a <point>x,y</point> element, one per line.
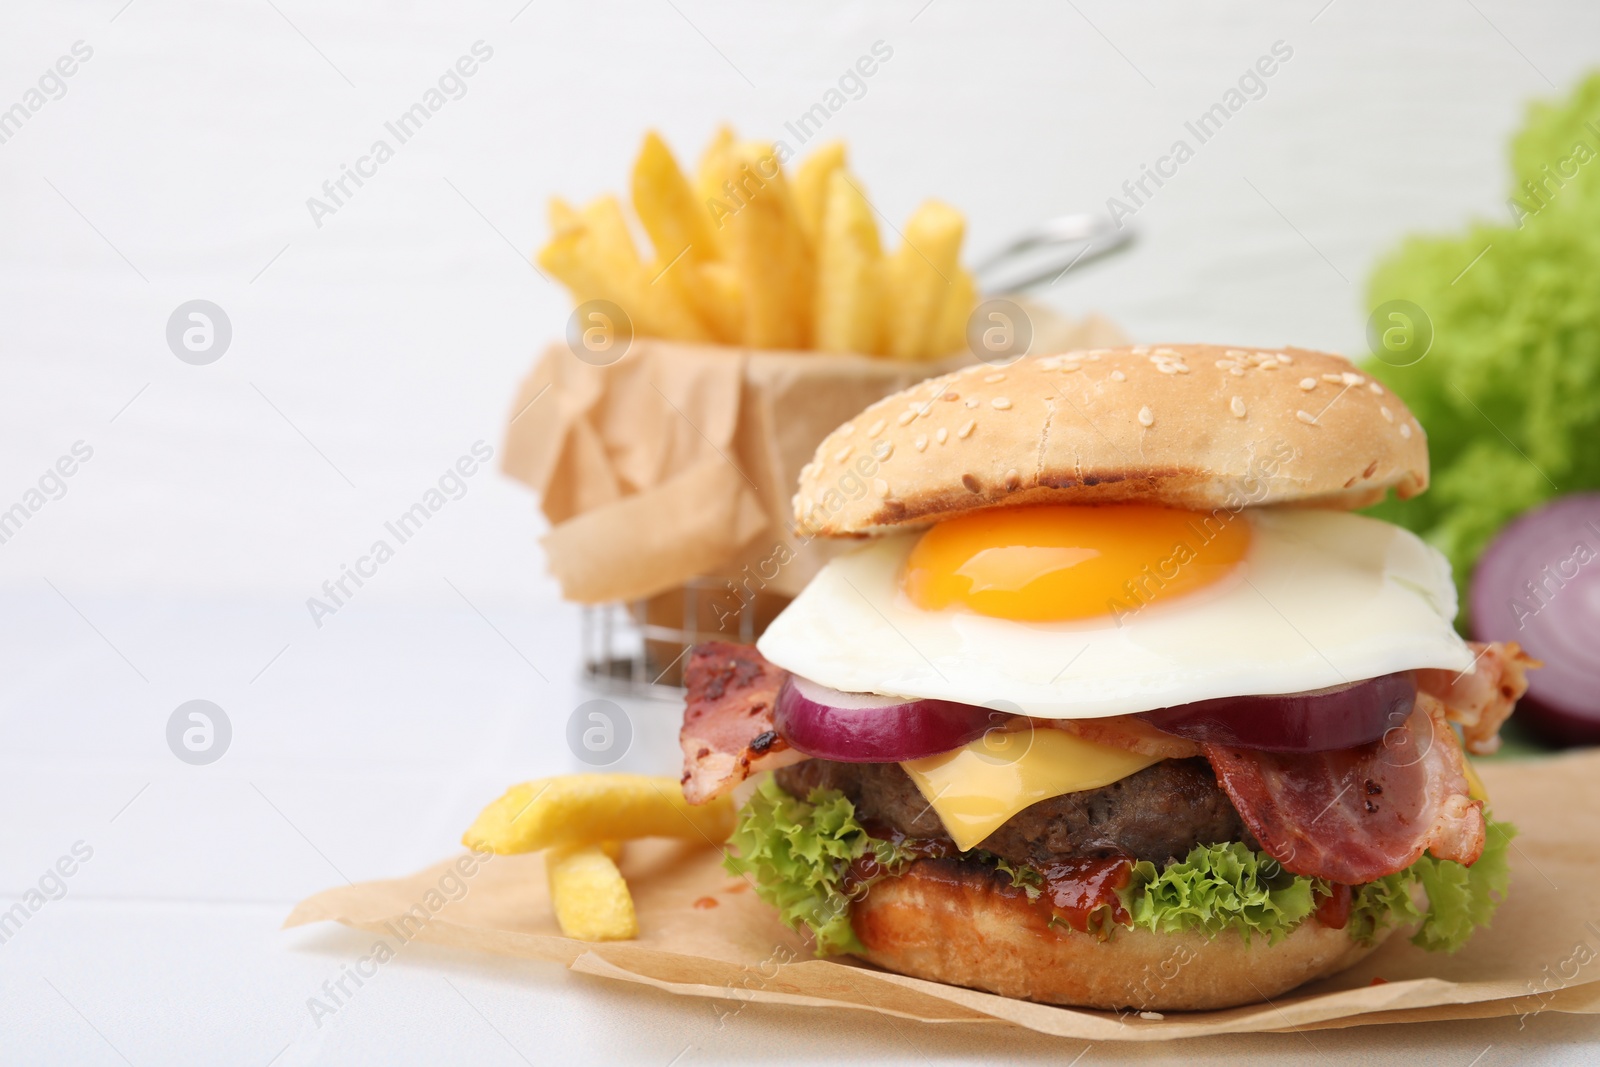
<point>369,353</point>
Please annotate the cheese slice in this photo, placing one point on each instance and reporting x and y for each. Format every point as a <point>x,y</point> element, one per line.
<point>979,786</point>
<point>1475,787</point>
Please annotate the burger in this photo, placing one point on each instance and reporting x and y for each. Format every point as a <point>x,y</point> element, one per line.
<point>1116,704</point>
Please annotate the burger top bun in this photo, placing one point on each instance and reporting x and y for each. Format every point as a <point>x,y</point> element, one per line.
<point>1190,426</point>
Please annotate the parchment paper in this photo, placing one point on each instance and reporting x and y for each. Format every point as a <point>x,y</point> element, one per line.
<point>679,460</point>
<point>1541,954</point>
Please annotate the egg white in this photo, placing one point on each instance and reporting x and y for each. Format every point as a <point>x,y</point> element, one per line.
<point>1322,598</point>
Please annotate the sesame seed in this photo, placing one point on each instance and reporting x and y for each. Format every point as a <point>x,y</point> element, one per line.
<point>1334,378</point>
<point>1000,403</point>
<point>883,450</point>
<point>1013,479</point>
<point>1405,431</point>
<point>951,394</point>
<point>972,401</point>
<point>1374,388</point>
<point>906,416</point>
<point>1224,364</point>
<point>967,428</point>
<point>1146,416</point>
<point>1308,384</point>
<point>1236,370</point>
<point>1270,364</point>
<point>875,429</point>
<point>1285,360</point>
<point>847,429</point>
<point>1388,416</point>
<point>921,443</point>
<point>992,378</point>
<point>1167,368</point>
<point>1306,417</point>
<point>941,435</point>
<point>1351,379</point>
<point>1236,405</point>
<point>842,455</point>
<point>970,482</point>
<point>1118,376</point>
<point>880,487</point>
<point>1236,353</point>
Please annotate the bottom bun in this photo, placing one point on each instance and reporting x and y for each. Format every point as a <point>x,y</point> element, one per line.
<point>960,924</point>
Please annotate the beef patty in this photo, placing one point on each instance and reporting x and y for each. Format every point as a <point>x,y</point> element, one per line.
<point>1156,814</point>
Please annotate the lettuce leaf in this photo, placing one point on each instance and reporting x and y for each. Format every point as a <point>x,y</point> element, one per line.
<point>799,853</point>
<point>1216,888</point>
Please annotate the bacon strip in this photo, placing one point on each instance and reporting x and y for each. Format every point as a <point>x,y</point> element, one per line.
<point>727,730</point>
<point>1355,815</point>
<point>1127,732</point>
<point>1481,699</point>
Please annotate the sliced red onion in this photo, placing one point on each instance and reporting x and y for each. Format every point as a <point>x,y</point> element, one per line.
<point>1538,583</point>
<point>1322,720</point>
<point>866,728</point>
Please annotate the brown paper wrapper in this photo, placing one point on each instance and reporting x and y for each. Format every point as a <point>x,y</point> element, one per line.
<point>702,933</point>
<point>679,460</point>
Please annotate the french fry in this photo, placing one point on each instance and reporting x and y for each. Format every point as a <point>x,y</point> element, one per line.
<point>680,230</point>
<point>812,183</point>
<point>849,305</point>
<point>962,297</point>
<point>919,276</point>
<point>588,894</point>
<point>770,251</point>
<point>715,168</point>
<point>677,225</point>
<point>720,299</point>
<point>583,808</point>
<point>612,240</point>
<point>594,256</point>
<point>561,215</point>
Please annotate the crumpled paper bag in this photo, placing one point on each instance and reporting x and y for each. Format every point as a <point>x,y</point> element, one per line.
<point>703,934</point>
<point>679,460</point>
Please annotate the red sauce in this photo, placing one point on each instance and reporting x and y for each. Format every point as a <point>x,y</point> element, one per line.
<point>706,902</point>
<point>1082,892</point>
<point>864,868</point>
<point>1333,910</point>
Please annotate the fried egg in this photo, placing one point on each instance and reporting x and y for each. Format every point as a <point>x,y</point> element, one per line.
<point>1076,612</point>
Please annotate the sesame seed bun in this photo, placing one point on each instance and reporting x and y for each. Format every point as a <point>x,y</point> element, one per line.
<point>951,922</point>
<point>1190,426</point>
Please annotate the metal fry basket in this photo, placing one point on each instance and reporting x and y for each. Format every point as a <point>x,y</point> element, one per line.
<point>638,647</point>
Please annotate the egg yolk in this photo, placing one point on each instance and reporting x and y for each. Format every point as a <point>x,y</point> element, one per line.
<point>1052,563</point>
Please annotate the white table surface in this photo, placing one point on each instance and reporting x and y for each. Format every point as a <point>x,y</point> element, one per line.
<point>371,352</point>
